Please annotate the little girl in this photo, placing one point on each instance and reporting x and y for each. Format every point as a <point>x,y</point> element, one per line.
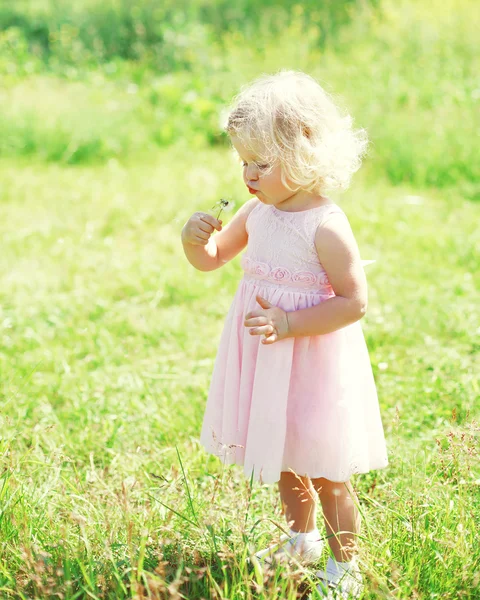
<point>292,396</point>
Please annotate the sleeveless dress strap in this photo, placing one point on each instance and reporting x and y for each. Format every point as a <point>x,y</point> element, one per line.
<point>326,214</point>
<point>254,209</point>
<point>334,209</point>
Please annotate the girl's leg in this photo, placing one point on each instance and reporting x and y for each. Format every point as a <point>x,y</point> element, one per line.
<point>340,514</point>
<point>299,501</point>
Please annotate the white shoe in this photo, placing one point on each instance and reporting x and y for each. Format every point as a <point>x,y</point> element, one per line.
<point>306,552</point>
<point>346,586</point>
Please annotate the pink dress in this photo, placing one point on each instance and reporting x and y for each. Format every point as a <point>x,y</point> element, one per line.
<point>307,404</point>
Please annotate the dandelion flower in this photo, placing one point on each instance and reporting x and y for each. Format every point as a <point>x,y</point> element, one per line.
<point>222,205</point>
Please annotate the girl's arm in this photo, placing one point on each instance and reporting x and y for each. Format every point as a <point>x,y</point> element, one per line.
<point>339,255</point>
<point>209,253</point>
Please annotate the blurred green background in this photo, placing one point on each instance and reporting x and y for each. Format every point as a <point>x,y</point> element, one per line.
<point>110,138</point>
<point>87,81</point>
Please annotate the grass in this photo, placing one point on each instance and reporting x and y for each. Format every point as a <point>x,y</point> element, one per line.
<point>107,341</point>
<point>108,335</point>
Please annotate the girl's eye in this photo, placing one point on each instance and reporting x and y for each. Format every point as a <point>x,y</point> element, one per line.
<point>261,167</point>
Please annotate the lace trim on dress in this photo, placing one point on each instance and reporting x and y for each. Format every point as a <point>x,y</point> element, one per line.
<point>284,276</point>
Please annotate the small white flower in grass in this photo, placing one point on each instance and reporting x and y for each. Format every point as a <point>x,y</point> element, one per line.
<point>222,205</point>
<point>383,366</point>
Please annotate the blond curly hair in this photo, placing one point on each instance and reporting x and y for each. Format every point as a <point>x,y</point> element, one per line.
<point>288,119</point>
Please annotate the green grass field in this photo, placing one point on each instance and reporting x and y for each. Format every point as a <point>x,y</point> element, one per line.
<point>109,139</point>
<point>108,338</point>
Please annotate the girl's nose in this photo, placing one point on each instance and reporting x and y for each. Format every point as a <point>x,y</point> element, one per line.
<point>252,172</point>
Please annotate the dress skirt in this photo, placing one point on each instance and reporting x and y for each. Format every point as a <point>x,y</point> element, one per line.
<point>306,404</point>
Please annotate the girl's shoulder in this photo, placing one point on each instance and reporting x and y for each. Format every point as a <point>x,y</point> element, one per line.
<point>334,232</point>
<point>242,214</point>
<point>329,212</point>
<point>251,204</point>
<point>249,208</point>
<point>313,220</point>
<point>331,218</point>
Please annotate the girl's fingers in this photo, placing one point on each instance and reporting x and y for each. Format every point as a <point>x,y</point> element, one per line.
<point>200,241</point>
<point>271,339</point>
<point>263,303</point>
<point>254,321</point>
<point>253,314</point>
<point>211,221</point>
<point>265,330</point>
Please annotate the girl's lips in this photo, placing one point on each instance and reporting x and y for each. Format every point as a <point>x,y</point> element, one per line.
<point>252,191</point>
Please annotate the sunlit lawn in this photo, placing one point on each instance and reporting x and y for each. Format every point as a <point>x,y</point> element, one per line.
<point>107,342</point>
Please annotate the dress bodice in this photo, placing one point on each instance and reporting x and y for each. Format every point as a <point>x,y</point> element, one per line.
<point>281,247</point>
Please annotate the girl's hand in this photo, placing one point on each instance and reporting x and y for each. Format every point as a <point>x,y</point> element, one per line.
<point>272,322</point>
<point>198,229</point>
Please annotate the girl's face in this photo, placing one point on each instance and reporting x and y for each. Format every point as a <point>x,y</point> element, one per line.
<point>268,187</point>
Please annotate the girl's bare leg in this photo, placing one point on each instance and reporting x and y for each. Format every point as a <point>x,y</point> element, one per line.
<point>299,501</point>
<point>340,514</point>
